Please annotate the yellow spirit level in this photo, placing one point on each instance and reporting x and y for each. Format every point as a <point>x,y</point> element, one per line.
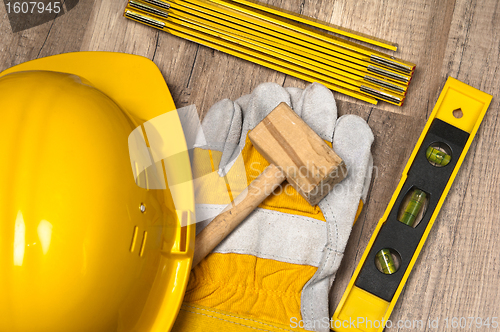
<point>401,232</point>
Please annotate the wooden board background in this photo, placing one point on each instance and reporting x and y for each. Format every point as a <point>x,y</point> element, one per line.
<point>457,274</point>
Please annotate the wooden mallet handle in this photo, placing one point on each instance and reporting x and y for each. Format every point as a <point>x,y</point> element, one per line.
<point>237,211</point>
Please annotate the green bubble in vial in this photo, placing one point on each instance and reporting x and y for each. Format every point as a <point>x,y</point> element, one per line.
<point>386,261</point>
<point>437,157</point>
<point>413,208</point>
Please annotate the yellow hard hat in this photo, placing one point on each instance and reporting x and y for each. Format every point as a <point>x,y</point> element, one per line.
<point>83,246</point>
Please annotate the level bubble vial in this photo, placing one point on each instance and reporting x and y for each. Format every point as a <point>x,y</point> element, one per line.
<point>387,261</point>
<point>413,207</point>
<point>438,154</point>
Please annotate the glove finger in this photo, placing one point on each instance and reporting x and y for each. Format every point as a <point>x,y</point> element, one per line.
<point>261,102</point>
<point>220,125</point>
<point>318,109</point>
<point>243,101</point>
<point>352,142</point>
<point>231,149</point>
<point>295,97</point>
<point>227,123</point>
<point>368,179</point>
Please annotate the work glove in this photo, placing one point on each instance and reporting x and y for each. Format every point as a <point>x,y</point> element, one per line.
<point>275,270</point>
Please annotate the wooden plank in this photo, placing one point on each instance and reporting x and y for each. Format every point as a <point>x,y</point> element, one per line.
<point>22,46</point>
<point>66,33</point>
<point>110,31</point>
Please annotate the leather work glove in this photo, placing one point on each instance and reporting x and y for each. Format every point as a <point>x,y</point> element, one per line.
<point>275,271</point>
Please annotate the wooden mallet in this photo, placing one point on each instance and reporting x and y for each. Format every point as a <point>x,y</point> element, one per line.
<point>296,153</point>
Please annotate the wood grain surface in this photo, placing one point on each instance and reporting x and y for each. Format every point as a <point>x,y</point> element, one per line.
<point>458,271</point>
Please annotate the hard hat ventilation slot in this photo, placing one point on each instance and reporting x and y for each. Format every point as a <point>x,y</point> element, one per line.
<point>134,238</point>
<point>143,244</point>
<point>181,239</point>
<point>182,244</point>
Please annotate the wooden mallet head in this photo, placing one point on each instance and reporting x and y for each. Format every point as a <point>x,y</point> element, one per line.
<point>309,164</point>
<point>296,153</point>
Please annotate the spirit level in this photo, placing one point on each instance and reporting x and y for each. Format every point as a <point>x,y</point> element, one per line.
<point>398,239</point>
